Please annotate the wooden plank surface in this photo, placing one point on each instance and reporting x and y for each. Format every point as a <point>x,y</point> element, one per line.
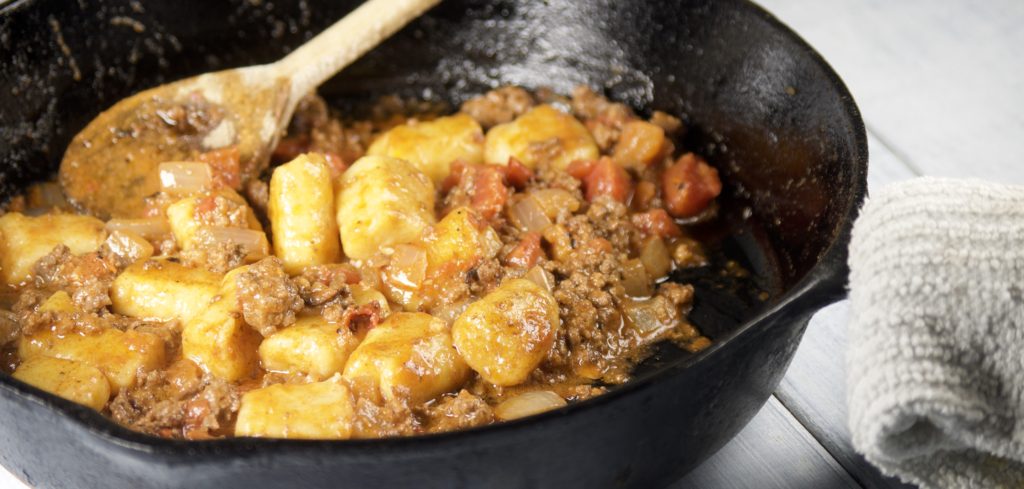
<point>940,82</point>
<point>773,452</point>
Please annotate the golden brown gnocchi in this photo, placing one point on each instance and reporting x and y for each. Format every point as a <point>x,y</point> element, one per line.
<point>24,240</point>
<point>74,381</point>
<point>321,410</point>
<point>505,335</point>
<point>383,202</point>
<point>163,290</point>
<point>410,357</point>
<point>312,346</point>
<point>301,213</point>
<point>432,146</point>
<point>543,133</point>
<point>219,340</point>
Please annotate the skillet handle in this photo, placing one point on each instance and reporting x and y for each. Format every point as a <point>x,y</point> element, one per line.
<point>830,285</point>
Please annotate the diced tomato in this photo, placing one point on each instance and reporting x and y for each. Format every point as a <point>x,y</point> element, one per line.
<point>206,205</point>
<point>657,222</point>
<point>289,148</point>
<point>518,175</point>
<point>225,165</point>
<point>579,169</point>
<point>489,191</point>
<point>526,253</point>
<point>607,178</point>
<point>454,178</point>
<point>689,186</point>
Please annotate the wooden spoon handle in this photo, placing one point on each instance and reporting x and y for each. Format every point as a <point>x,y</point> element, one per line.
<point>345,41</point>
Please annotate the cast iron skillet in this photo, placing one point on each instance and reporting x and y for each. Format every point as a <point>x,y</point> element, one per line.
<point>766,109</point>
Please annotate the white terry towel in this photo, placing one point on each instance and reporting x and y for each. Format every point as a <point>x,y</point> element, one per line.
<point>936,360</point>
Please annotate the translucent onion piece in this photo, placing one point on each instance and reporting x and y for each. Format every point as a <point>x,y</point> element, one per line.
<point>152,228</point>
<point>490,243</point>
<point>655,257</point>
<point>635,279</point>
<point>129,246</point>
<point>649,317</point>
<point>541,277</point>
<point>185,177</point>
<point>553,200</point>
<point>408,267</point>
<point>253,242</point>
<point>528,404</point>
<point>529,215</point>
<point>449,312</point>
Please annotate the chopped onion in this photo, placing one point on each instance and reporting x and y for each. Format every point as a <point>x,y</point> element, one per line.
<point>185,177</point>
<point>253,242</point>
<point>408,267</point>
<point>650,317</point>
<point>541,277</point>
<point>655,257</point>
<point>490,242</point>
<point>450,311</point>
<point>130,246</point>
<point>553,200</point>
<point>528,215</point>
<point>635,279</point>
<point>528,404</point>
<point>151,228</point>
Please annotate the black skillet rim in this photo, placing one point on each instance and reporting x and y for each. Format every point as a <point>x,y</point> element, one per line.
<point>824,283</point>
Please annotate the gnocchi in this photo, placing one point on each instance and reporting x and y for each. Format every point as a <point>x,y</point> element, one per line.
<point>505,335</point>
<point>320,410</point>
<point>163,290</point>
<point>542,133</point>
<point>410,357</point>
<point>219,340</point>
<point>24,240</point>
<point>383,202</point>
<point>74,381</point>
<point>432,146</point>
<point>301,212</point>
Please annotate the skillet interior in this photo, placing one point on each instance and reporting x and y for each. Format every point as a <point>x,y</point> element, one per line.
<point>763,107</point>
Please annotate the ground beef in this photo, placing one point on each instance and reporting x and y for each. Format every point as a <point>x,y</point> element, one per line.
<point>498,106</point>
<point>178,402</point>
<point>320,284</point>
<point>376,417</point>
<point>220,211</point>
<point>205,251</point>
<point>267,297</point>
<point>486,277</point>
<point>87,277</point>
<point>9,327</point>
<point>463,410</point>
<point>548,177</point>
<point>603,118</point>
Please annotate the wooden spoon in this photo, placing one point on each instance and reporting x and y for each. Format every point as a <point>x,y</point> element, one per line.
<point>110,167</point>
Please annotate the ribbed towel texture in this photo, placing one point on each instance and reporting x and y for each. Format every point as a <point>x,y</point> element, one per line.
<point>936,360</point>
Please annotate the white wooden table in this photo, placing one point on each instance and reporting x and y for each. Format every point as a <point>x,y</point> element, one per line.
<point>941,87</point>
